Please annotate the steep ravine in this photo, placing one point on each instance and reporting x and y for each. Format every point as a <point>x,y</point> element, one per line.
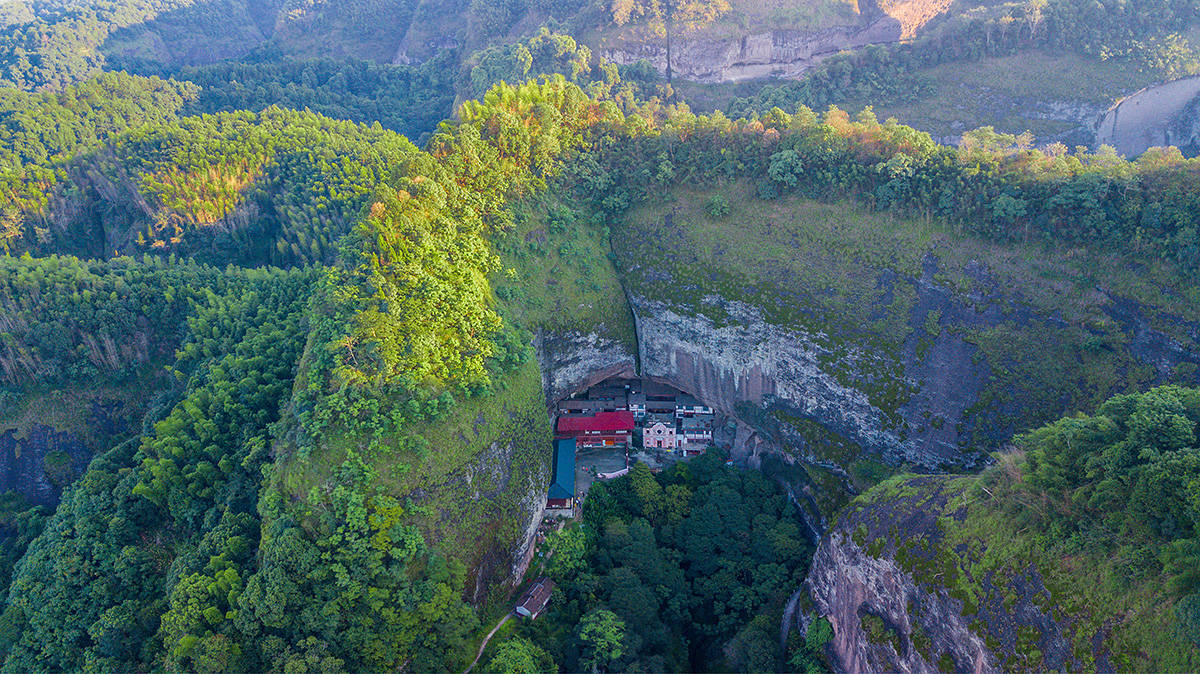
<point>801,414</point>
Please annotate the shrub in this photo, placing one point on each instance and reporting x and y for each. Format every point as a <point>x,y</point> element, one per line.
<point>717,206</point>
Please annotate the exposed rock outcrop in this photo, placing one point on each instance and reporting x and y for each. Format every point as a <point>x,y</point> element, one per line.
<point>886,617</point>
<point>23,462</point>
<point>912,15</point>
<point>1155,116</point>
<point>485,511</point>
<point>781,53</point>
<point>752,361</point>
<point>24,467</point>
<point>786,371</point>
<point>778,53</point>
<point>933,402</point>
<point>573,361</point>
<point>512,489</point>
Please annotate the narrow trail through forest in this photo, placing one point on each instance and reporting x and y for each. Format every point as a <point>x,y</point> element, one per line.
<point>485,642</point>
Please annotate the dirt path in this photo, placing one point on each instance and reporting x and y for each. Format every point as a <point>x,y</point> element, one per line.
<point>485,642</point>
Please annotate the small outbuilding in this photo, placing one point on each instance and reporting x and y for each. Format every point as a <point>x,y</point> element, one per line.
<point>535,599</point>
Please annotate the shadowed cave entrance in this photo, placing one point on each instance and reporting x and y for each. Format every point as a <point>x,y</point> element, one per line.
<point>601,430</point>
<point>630,411</point>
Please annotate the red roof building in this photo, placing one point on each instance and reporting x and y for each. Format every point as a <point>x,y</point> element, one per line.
<point>605,429</point>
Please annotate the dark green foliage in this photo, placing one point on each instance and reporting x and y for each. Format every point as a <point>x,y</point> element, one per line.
<point>270,518</point>
<point>20,523</point>
<point>989,187</point>
<point>69,320</point>
<point>602,635</point>
<point>545,53</point>
<point>118,534</point>
<point>48,128</point>
<point>717,206</point>
<point>1131,471</point>
<point>53,43</point>
<point>685,560</point>
<point>277,187</point>
<point>1103,508</point>
<point>519,656</point>
<point>409,100</point>
<point>1187,612</point>
<point>807,655</point>
<point>59,471</point>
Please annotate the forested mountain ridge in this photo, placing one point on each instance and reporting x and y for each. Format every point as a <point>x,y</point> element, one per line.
<point>397,47</point>
<point>341,428</point>
<point>332,353</point>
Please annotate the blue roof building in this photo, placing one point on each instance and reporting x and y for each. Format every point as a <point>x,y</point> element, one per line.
<point>562,485</point>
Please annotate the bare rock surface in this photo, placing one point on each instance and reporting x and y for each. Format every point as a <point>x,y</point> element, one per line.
<point>785,53</point>
<point>878,578</point>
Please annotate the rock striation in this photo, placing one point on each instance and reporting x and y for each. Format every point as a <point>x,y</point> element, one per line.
<point>877,578</point>
<point>572,361</point>
<point>781,53</point>
<point>752,361</point>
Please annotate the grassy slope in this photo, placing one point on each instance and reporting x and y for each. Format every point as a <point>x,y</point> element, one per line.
<point>559,276</point>
<point>976,552</point>
<point>817,266</point>
<point>1012,93</point>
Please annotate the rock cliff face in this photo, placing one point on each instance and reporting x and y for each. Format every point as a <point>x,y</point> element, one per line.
<point>482,502</point>
<point>790,375</point>
<point>513,487</point>
<point>573,361</point>
<point>782,53</point>
<point>752,361</point>
<point>1161,115</point>
<point>784,382</point>
<point>23,462</point>
<point>24,467</point>
<point>911,15</point>
<point>880,578</point>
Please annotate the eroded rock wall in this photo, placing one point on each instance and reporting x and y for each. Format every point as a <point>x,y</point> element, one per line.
<point>880,579</point>
<point>23,462</point>
<point>752,361</point>
<point>781,53</point>
<point>1155,116</point>
<point>23,465</point>
<point>573,361</point>
<point>487,511</point>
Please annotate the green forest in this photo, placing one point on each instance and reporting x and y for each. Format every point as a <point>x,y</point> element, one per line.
<point>324,280</point>
<point>668,567</point>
